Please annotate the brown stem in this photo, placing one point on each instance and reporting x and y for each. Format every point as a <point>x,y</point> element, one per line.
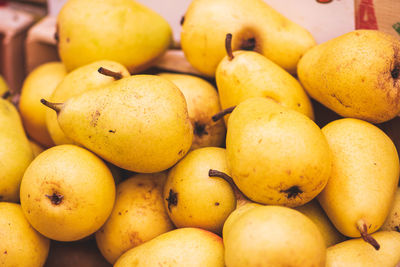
<point>107,72</point>
<point>226,177</point>
<point>56,106</point>
<point>222,113</point>
<point>6,95</point>
<point>228,45</point>
<point>362,227</point>
<point>55,198</point>
<point>182,20</point>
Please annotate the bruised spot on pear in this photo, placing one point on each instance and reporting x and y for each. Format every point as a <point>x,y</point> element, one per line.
<point>292,192</point>
<point>55,198</point>
<point>172,199</point>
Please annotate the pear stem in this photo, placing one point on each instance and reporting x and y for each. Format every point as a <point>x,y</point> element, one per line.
<point>56,106</point>
<point>228,46</point>
<point>107,72</point>
<point>182,20</point>
<point>222,113</point>
<point>226,177</point>
<point>362,227</point>
<point>6,95</point>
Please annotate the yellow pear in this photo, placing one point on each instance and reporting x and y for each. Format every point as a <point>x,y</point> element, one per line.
<point>276,155</point>
<point>15,152</point>
<point>254,25</point>
<point>36,148</point>
<point>392,222</point>
<point>365,173</point>
<point>76,82</point>
<point>357,253</point>
<point>192,197</point>
<point>273,236</point>
<point>67,193</point>
<point>121,30</point>
<point>203,102</point>
<point>356,75</point>
<point>138,216</point>
<point>139,123</point>
<point>20,244</point>
<point>179,248</point>
<point>245,74</point>
<point>314,212</point>
<point>236,214</point>
<point>40,83</point>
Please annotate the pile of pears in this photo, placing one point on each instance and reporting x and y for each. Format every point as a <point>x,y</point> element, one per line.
<point>281,153</point>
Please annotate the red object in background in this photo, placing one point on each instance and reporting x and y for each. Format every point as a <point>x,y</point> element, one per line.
<point>3,2</point>
<point>324,1</point>
<point>365,15</point>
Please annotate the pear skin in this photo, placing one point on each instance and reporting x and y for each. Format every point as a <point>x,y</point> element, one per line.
<point>254,25</point>
<point>273,236</point>
<point>76,82</point>
<point>179,248</point>
<point>124,31</point>
<point>139,123</point>
<point>357,253</point>
<point>203,102</point>
<point>356,75</point>
<point>15,152</point>
<point>276,155</point>
<point>314,211</point>
<point>392,222</point>
<point>365,173</point>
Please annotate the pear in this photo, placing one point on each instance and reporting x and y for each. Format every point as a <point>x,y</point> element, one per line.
<point>36,148</point>
<point>139,123</point>
<point>179,248</point>
<point>273,236</point>
<point>276,155</point>
<point>40,83</point>
<point>236,214</point>
<point>192,197</point>
<point>254,25</point>
<point>314,212</point>
<point>67,193</point>
<point>20,244</point>
<point>78,81</point>
<point>245,74</point>
<point>120,30</point>
<point>356,75</point>
<point>365,173</point>
<point>138,216</point>
<point>203,102</point>
<point>392,222</point>
<point>357,253</point>
<point>15,152</point>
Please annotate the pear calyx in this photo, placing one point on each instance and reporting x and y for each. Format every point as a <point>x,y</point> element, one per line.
<point>55,198</point>
<point>395,72</point>
<point>172,199</point>
<point>55,106</point>
<point>222,113</point>
<point>362,227</point>
<point>110,73</point>
<point>6,95</point>
<point>228,46</point>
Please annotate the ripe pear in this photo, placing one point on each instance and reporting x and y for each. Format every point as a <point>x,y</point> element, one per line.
<point>120,30</point>
<point>365,173</point>
<point>67,193</point>
<point>357,253</point>
<point>314,212</point>
<point>15,152</point>
<point>76,82</point>
<point>40,83</point>
<point>273,236</point>
<point>179,248</point>
<point>254,25</point>
<point>392,222</point>
<point>36,148</point>
<point>276,155</point>
<point>236,214</point>
<point>192,197</point>
<point>245,74</point>
<point>138,216</point>
<point>20,244</point>
<point>139,123</point>
<point>356,75</point>
<point>203,102</point>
